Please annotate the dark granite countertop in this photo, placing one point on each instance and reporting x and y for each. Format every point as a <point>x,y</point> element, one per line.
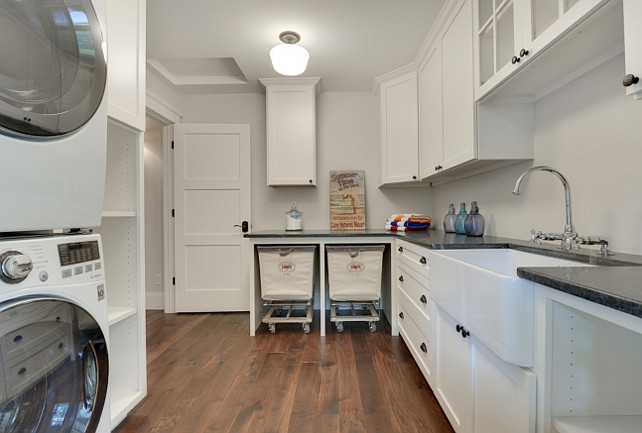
<point>615,282</point>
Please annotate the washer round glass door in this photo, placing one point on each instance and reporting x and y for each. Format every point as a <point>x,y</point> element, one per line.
<point>53,69</point>
<point>55,367</point>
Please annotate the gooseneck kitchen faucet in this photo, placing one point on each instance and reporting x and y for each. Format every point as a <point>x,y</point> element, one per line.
<point>570,239</point>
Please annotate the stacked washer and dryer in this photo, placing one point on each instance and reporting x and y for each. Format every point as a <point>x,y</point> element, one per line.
<point>53,124</point>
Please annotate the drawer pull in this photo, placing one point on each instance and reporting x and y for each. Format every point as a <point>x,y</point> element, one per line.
<point>400,249</point>
<point>401,315</point>
<point>423,347</point>
<point>22,371</point>
<point>423,299</point>
<point>422,260</point>
<point>401,278</point>
<point>17,339</point>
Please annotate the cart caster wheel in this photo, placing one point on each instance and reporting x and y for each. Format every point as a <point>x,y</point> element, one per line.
<point>373,327</point>
<point>272,328</point>
<point>306,328</point>
<point>339,327</point>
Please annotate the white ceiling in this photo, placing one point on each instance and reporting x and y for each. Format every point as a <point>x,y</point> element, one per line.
<point>350,42</point>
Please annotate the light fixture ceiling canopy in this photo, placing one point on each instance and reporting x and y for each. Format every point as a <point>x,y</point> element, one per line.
<point>288,58</point>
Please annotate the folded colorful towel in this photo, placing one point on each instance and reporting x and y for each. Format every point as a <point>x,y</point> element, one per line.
<point>408,224</point>
<point>414,220</point>
<point>404,229</point>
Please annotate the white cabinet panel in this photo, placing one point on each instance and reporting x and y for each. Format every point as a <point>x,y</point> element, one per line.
<point>291,130</point>
<point>431,120</point>
<point>633,45</point>
<point>399,129</point>
<point>126,61</point>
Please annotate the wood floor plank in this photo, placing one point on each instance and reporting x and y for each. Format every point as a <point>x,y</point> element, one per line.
<point>206,374</point>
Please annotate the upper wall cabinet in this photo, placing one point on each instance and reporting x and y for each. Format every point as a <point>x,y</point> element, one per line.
<point>126,61</point>
<point>633,47</point>
<point>399,128</point>
<point>291,131</point>
<point>510,33</point>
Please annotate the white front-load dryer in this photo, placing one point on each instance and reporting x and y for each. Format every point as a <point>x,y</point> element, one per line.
<point>53,113</point>
<point>54,335</point>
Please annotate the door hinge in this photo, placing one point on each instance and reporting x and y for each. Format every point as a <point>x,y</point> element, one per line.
<point>172,144</point>
<point>173,213</point>
<point>173,281</point>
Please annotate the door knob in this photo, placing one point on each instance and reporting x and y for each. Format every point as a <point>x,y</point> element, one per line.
<point>244,226</point>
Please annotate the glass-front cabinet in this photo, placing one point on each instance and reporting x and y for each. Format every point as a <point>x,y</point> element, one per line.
<point>510,32</point>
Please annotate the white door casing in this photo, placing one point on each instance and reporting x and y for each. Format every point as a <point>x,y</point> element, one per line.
<point>212,198</point>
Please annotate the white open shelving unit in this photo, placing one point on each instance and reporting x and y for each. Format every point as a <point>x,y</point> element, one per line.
<point>123,240</point>
<point>592,377</point>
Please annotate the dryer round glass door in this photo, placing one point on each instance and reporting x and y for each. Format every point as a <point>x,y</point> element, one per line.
<point>54,358</point>
<point>53,69</point>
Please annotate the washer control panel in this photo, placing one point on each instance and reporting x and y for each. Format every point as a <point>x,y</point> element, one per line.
<point>62,259</point>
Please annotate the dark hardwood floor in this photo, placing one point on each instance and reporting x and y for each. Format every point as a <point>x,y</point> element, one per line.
<point>206,374</point>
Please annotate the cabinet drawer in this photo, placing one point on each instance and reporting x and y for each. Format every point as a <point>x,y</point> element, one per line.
<point>413,256</point>
<point>418,293</point>
<point>416,341</point>
<point>420,317</point>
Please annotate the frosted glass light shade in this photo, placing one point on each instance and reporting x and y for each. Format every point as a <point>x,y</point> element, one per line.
<point>289,59</point>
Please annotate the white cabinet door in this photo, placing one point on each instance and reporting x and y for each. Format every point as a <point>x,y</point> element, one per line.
<point>399,129</point>
<point>503,394</point>
<point>126,61</point>
<point>458,90</point>
<point>453,369</point>
<point>291,131</point>
<point>431,137</point>
<point>633,44</point>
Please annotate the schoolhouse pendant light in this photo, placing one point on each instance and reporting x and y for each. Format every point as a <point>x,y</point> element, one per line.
<point>288,58</point>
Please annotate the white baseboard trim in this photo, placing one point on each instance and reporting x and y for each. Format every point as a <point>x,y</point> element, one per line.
<point>154,301</point>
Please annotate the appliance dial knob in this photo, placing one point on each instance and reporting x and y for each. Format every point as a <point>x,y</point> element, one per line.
<point>14,266</point>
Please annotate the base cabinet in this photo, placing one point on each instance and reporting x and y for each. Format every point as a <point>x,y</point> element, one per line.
<point>478,391</point>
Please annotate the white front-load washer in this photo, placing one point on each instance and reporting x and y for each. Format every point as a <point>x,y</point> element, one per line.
<point>54,335</point>
<point>53,113</point>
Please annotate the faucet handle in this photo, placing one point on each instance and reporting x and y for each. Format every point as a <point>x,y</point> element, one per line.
<point>536,237</point>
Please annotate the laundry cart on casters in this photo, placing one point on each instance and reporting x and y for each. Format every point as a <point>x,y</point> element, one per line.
<point>287,284</point>
<point>354,279</point>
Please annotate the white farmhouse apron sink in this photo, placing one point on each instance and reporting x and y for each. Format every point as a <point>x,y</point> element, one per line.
<point>481,290</point>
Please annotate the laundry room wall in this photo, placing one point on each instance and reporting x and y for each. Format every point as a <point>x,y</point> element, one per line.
<point>347,139</point>
<point>590,131</point>
<point>153,162</point>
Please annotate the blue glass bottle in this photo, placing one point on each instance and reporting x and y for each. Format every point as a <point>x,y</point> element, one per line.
<point>474,224</point>
<point>449,219</point>
<point>460,220</point>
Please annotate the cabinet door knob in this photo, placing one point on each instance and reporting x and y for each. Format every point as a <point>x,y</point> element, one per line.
<point>401,278</point>
<point>630,79</point>
<point>459,328</point>
<point>310,180</point>
<point>414,177</point>
<point>424,349</point>
<point>422,260</point>
<point>523,52</point>
<point>401,314</point>
<point>400,249</point>
<point>423,299</point>
<point>464,333</point>
<point>514,60</point>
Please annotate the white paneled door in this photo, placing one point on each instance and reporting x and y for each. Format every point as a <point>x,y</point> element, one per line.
<point>211,200</point>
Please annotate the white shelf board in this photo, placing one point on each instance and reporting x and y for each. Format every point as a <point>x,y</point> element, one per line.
<point>118,314</point>
<point>122,402</point>
<point>598,424</point>
<point>118,214</point>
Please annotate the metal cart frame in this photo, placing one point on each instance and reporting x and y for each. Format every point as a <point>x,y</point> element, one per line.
<point>275,310</point>
<point>371,307</point>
